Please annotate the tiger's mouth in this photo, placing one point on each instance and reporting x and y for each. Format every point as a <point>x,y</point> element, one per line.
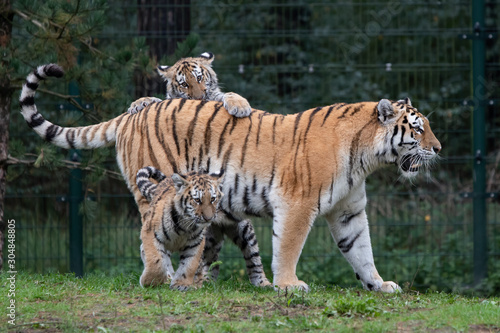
<point>411,163</point>
<point>201,221</point>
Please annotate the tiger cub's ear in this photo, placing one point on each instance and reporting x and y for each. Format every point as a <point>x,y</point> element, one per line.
<point>165,73</point>
<point>179,182</point>
<point>207,58</point>
<point>220,185</point>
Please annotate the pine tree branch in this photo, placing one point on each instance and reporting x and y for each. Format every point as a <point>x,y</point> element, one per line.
<point>67,163</point>
<point>85,41</point>
<point>63,28</point>
<point>26,17</point>
<point>72,99</point>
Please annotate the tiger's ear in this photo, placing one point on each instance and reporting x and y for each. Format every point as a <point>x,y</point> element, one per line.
<point>385,111</point>
<point>164,72</point>
<point>218,175</point>
<point>220,178</point>
<point>405,101</point>
<point>207,58</point>
<point>179,182</point>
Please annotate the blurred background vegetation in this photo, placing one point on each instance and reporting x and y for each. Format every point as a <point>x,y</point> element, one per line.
<point>284,57</point>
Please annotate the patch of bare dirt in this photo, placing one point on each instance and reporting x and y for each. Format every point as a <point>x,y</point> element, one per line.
<point>484,329</point>
<point>412,326</point>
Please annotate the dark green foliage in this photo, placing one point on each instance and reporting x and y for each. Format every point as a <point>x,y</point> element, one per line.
<point>187,48</point>
<point>68,33</point>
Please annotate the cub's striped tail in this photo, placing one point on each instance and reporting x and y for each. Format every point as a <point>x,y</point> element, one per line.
<point>87,137</point>
<point>146,187</point>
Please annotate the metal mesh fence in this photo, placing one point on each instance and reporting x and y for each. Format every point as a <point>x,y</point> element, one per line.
<point>285,57</point>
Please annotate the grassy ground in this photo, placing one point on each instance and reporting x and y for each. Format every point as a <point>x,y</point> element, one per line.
<point>100,303</point>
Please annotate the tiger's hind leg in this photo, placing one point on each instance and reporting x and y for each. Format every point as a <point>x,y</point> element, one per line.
<point>243,235</point>
<point>141,103</point>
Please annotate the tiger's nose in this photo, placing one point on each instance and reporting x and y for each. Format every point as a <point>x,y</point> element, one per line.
<point>208,216</point>
<point>436,149</point>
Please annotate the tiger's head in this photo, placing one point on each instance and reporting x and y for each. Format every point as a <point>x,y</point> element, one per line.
<point>198,196</point>
<point>191,78</point>
<point>412,143</point>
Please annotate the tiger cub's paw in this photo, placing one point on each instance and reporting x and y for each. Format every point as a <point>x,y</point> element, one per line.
<point>200,279</point>
<point>151,279</point>
<point>182,286</point>
<point>141,103</point>
<point>236,105</point>
<point>260,280</point>
<point>265,284</point>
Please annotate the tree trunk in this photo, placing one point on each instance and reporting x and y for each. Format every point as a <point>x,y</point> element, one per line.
<point>5,99</point>
<point>164,24</point>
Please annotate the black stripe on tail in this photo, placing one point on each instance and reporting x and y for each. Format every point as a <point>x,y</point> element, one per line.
<point>146,187</point>
<point>27,99</point>
<point>53,70</point>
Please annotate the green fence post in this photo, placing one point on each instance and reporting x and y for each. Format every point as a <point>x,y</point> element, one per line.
<point>75,218</point>
<point>479,141</point>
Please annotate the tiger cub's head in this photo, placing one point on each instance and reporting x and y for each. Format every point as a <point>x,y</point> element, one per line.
<point>198,195</point>
<point>412,144</point>
<point>191,78</point>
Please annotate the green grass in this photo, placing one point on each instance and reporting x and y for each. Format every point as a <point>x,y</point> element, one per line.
<point>100,303</point>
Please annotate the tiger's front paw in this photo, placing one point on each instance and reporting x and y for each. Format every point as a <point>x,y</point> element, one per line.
<point>141,103</point>
<point>236,105</point>
<point>390,287</point>
<point>296,285</point>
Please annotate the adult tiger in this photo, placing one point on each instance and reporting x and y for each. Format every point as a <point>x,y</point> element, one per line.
<point>293,168</point>
<point>194,78</point>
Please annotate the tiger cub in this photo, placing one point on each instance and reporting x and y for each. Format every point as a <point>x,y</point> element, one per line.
<point>194,78</point>
<point>181,208</point>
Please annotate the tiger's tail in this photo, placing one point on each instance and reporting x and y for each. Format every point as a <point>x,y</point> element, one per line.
<point>145,185</point>
<point>87,137</point>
